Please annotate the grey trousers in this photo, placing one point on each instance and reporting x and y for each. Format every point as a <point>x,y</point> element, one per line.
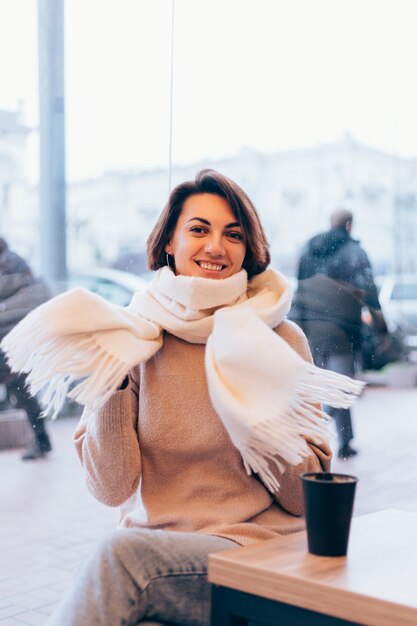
<point>140,576</point>
<point>342,364</point>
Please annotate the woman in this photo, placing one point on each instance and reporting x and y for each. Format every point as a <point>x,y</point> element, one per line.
<point>167,444</point>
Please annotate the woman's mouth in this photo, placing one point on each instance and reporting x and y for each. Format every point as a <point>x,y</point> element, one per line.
<point>210,267</point>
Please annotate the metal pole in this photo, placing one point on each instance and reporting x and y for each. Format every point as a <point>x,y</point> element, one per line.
<point>52,184</point>
<point>171,102</point>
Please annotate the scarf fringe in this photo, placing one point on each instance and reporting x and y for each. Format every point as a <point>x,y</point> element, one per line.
<point>285,439</point>
<point>321,385</point>
<point>286,436</point>
<point>52,360</point>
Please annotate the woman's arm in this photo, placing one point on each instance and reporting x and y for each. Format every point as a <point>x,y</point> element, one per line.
<point>318,456</point>
<point>290,494</point>
<point>108,447</point>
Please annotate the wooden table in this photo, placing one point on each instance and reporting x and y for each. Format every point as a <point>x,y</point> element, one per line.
<point>277,582</point>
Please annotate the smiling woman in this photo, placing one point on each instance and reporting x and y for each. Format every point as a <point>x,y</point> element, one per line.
<point>207,240</point>
<point>200,407</point>
<point>209,228</point>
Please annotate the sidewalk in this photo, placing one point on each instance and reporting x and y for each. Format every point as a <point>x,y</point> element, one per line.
<point>49,521</point>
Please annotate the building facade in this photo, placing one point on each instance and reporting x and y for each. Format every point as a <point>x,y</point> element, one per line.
<point>295,192</point>
<point>14,189</point>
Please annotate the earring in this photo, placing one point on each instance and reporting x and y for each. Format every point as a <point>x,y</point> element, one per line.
<point>168,263</point>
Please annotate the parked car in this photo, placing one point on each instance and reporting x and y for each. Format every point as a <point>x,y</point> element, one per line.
<point>114,285</point>
<point>398,297</point>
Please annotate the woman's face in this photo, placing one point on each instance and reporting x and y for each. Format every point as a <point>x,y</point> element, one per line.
<point>207,240</point>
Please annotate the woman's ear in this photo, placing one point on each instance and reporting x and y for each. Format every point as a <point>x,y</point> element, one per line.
<point>168,248</point>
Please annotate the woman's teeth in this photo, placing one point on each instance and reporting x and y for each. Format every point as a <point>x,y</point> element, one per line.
<point>211,267</point>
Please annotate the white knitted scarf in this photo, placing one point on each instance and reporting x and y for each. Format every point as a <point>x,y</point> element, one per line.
<point>81,346</point>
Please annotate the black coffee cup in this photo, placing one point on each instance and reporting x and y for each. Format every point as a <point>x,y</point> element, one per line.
<point>328,503</point>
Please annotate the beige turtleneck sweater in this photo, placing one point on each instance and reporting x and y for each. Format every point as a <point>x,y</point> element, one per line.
<point>159,450</point>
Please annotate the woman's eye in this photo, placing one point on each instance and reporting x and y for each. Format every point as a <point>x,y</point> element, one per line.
<point>198,229</point>
<point>235,235</point>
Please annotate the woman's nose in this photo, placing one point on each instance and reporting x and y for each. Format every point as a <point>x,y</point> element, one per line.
<point>214,245</point>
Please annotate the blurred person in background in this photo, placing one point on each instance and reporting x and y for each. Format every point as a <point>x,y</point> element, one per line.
<point>20,292</point>
<point>335,283</point>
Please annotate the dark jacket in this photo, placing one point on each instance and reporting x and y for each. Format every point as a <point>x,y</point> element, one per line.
<point>336,255</point>
<point>20,290</point>
<point>335,281</point>
<point>329,313</point>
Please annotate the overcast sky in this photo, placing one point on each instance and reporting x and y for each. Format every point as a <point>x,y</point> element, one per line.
<point>266,74</point>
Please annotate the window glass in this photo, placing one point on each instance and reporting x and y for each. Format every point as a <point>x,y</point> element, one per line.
<point>309,105</point>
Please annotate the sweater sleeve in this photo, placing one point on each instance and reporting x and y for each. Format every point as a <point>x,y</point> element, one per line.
<point>290,495</point>
<point>107,444</point>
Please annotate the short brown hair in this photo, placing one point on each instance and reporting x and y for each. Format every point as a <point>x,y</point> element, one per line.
<point>257,257</point>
